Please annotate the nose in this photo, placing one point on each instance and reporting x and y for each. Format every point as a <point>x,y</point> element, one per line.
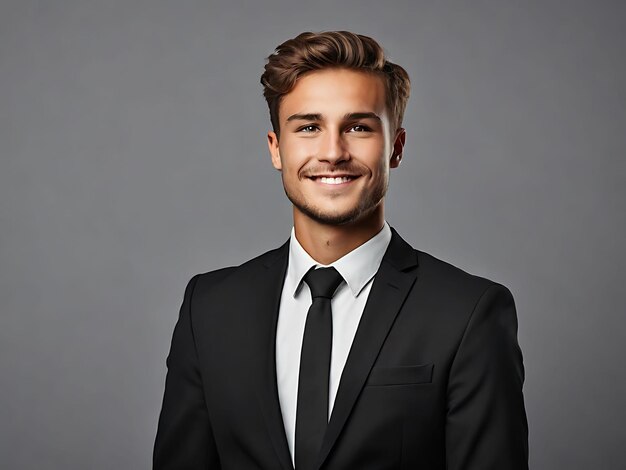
<point>333,149</point>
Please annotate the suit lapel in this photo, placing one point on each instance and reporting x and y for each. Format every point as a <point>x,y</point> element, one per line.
<point>265,299</point>
<point>392,284</point>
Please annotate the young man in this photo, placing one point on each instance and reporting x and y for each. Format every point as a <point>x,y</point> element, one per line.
<point>345,348</point>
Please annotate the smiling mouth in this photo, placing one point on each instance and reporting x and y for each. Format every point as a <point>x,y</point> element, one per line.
<point>334,179</point>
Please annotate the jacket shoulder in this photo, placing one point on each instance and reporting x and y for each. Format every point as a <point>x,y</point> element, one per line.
<point>210,279</point>
<point>435,274</point>
<point>439,272</point>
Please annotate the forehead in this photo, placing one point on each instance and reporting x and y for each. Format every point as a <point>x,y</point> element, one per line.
<point>335,92</point>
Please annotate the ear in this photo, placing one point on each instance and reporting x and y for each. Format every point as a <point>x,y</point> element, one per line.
<point>272,145</point>
<point>398,148</point>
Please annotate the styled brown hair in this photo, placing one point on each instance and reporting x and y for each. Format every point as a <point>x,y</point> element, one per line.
<point>332,49</point>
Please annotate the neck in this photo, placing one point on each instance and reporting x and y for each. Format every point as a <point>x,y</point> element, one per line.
<point>327,243</point>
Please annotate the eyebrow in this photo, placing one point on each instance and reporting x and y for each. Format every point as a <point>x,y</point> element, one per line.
<point>319,117</point>
<point>305,117</point>
<point>366,115</point>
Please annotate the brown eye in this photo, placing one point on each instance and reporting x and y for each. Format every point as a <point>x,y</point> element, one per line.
<point>359,128</point>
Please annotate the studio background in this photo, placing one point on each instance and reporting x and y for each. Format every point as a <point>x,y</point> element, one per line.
<point>133,155</point>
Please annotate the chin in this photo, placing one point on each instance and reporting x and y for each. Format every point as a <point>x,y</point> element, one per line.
<point>348,212</point>
<point>334,217</point>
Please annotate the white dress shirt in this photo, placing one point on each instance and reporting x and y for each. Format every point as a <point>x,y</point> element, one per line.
<point>357,269</point>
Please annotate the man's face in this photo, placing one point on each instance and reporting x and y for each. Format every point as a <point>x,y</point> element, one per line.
<point>336,145</point>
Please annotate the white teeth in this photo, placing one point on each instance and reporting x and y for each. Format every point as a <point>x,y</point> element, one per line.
<point>338,180</point>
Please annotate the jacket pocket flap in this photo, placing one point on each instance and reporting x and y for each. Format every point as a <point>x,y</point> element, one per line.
<point>401,375</point>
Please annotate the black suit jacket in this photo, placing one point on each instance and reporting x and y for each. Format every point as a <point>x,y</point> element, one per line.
<point>433,379</point>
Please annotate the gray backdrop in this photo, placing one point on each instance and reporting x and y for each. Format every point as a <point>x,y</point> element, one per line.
<point>132,139</point>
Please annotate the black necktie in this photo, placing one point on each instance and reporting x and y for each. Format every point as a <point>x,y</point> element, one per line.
<point>312,407</point>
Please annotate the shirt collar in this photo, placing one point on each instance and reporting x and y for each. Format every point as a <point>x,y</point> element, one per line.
<point>357,267</point>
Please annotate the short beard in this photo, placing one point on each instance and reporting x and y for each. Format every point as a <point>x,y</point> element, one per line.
<point>365,207</point>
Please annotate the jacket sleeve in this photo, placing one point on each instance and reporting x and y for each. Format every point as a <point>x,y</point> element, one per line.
<point>486,427</point>
<point>184,439</point>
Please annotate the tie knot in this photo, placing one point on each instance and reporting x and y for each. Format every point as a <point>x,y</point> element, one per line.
<point>323,282</point>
